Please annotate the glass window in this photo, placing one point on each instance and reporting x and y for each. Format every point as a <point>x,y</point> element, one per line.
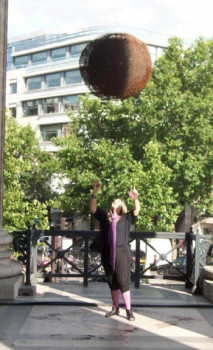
<point>73,77</point>
<point>39,57</point>
<point>60,53</point>
<point>50,105</point>
<point>30,108</point>
<point>77,49</point>
<point>70,102</point>
<point>13,111</point>
<point>53,80</point>
<point>21,61</point>
<point>13,88</point>
<point>34,83</point>
<point>9,57</point>
<point>50,131</point>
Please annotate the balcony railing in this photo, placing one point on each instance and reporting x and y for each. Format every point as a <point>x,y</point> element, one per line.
<point>22,44</point>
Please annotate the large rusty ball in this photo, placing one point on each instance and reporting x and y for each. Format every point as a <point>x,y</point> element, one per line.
<point>115,66</point>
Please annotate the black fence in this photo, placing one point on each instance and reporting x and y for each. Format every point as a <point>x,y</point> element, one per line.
<point>26,243</point>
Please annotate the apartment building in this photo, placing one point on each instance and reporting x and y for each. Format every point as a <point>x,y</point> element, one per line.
<point>44,80</point>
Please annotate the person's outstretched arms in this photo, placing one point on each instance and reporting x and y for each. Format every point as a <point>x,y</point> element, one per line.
<point>134,195</point>
<point>96,188</point>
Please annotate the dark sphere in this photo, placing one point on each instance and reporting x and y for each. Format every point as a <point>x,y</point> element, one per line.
<point>115,66</point>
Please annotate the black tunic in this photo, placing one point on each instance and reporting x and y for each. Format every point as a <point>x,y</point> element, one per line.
<point>120,278</point>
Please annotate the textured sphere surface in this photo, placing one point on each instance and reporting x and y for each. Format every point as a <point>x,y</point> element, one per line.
<point>115,66</point>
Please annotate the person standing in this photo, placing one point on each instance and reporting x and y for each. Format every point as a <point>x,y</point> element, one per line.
<point>115,255</point>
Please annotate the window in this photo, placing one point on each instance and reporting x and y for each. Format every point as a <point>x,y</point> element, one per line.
<point>34,83</point>
<point>50,105</point>
<point>13,111</point>
<point>21,61</point>
<point>70,102</point>
<point>50,131</point>
<point>13,88</point>
<point>39,57</point>
<point>73,77</point>
<point>58,54</point>
<point>9,57</point>
<point>53,80</point>
<point>30,108</point>
<point>77,49</point>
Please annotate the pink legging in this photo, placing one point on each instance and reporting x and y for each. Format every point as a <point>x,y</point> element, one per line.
<point>126,298</point>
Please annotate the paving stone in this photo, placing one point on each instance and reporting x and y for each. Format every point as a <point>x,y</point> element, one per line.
<point>45,327</point>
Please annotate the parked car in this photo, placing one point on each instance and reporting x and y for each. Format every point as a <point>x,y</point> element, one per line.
<point>167,269</point>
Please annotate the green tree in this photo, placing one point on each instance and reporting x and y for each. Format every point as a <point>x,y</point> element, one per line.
<point>174,111</point>
<point>182,93</point>
<point>115,167</point>
<point>27,173</point>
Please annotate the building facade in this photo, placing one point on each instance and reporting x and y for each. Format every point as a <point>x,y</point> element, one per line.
<point>44,80</point>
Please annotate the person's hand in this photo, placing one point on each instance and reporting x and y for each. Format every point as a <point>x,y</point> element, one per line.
<point>96,186</point>
<point>133,193</point>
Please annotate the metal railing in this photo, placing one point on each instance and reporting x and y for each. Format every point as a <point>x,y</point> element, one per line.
<point>202,254</point>
<point>196,251</point>
<point>84,238</point>
<point>23,43</point>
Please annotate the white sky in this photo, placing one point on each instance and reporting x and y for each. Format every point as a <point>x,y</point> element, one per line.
<point>187,19</point>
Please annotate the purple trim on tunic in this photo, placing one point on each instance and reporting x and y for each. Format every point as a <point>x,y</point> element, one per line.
<point>112,240</point>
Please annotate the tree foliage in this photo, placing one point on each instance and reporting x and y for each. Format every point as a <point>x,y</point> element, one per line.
<point>27,173</point>
<point>115,167</point>
<point>161,140</point>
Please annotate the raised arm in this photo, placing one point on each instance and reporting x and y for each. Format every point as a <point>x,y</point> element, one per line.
<point>137,207</point>
<point>134,195</point>
<point>96,188</point>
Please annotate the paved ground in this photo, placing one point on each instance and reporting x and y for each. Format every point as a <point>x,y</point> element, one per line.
<point>167,317</point>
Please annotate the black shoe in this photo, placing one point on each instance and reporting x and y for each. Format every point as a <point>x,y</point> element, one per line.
<point>130,315</point>
<point>114,311</point>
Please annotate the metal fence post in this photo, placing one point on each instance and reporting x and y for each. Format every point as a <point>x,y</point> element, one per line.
<point>34,248</point>
<point>86,252</point>
<point>196,263</point>
<point>28,257</point>
<point>137,264</point>
<point>189,258</point>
